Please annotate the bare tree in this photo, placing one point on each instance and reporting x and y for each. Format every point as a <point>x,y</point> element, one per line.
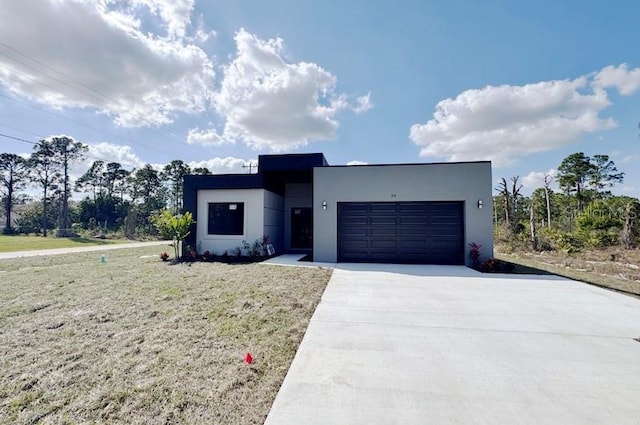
<point>503,192</point>
<point>628,227</point>
<point>548,178</point>
<point>532,227</point>
<point>515,192</point>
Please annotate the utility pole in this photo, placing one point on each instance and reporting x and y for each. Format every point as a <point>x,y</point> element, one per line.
<point>251,166</point>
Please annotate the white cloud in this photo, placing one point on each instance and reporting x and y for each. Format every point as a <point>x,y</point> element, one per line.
<point>110,152</point>
<point>629,158</point>
<point>208,137</point>
<point>356,162</point>
<point>363,104</point>
<point>228,165</point>
<point>535,179</point>
<point>83,54</point>
<point>271,104</point>
<point>176,14</point>
<point>504,123</point>
<point>626,81</point>
<point>106,152</point>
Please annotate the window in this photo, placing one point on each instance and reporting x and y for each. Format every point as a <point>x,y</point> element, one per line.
<point>226,218</point>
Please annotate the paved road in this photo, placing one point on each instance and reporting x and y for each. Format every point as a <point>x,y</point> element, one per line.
<point>57,251</point>
<point>446,345</point>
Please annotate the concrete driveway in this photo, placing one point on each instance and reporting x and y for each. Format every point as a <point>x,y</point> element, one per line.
<point>446,345</point>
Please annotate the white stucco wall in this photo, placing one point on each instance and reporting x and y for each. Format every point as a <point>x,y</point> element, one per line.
<point>467,182</point>
<point>254,202</point>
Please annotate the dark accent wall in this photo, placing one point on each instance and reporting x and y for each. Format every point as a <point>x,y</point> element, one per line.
<point>274,171</point>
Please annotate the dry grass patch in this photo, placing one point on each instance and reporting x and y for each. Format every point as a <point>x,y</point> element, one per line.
<point>611,268</point>
<point>139,341</point>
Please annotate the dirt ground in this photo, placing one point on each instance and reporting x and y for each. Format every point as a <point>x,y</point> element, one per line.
<point>614,268</point>
<point>133,340</point>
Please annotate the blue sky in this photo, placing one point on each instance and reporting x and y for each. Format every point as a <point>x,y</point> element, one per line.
<point>216,83</point>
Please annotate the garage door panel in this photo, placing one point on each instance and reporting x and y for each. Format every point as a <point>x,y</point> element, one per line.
<point>420,231</point>
<point>354,231</point>
<point>452,233</point>
<point>401,232</point>
<point>383,232</point>
<point>378,256</point>
<point>383,243</point>
<point>357,221</point>
<point>357,256</point>
<point>382,208</point>
<point>443,245</point>
<point>444,220</point>
<point>384,220</point>
<point>414,220</point>
<point>408,245</point>
<point>356,244</point>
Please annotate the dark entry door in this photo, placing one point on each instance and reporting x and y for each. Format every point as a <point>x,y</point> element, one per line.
<point>401,232</point>
<point>301,228</point>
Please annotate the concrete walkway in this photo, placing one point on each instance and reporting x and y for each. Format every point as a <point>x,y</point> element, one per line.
<point>90,248</point>
<point>446,345</point>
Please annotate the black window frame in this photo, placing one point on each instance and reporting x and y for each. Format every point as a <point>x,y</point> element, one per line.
<point>229,224</point>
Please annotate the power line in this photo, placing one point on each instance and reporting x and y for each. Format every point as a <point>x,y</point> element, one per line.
<point>80,123</point>
<point>13,49</point>
<point>47,75</point>
<point>66,76</point>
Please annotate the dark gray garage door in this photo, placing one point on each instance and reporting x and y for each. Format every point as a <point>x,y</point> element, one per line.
<point>401,232</point>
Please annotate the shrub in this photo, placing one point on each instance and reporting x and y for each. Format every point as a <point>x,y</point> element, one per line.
<point>190,254</point>
<point>474,253</point>
<point>601,239</point>
<point>493,265</point>
<point>174,227</point>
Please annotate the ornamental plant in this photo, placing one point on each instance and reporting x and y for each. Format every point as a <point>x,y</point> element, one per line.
<point>175,227</point>
<point>474,254</point>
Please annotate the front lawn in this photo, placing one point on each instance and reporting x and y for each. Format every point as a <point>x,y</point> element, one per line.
<point>135,340</point>
<point>29,243</point>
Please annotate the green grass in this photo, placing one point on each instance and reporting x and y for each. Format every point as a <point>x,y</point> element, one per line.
<point>31,243</point>
<point>138,340</point>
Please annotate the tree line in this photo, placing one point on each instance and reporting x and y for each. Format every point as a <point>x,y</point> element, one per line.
<point>582,214</point>
<point>115,199</point>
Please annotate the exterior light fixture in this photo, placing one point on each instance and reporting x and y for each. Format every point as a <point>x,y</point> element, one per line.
<point>324,205</point>
<point>480,204</point>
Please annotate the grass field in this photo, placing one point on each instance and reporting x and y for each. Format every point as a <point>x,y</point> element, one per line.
<point>612,268</point>
<point>138,341</point>
<point>29,243</point>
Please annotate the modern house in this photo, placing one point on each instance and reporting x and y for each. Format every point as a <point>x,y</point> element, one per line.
<point>392,213</point>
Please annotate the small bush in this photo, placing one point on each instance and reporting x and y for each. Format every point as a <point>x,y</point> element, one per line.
<point>493,265</point>
<point>600,239</point>
<point>474,253</point>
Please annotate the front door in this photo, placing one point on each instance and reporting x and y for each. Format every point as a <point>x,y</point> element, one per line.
<point>301,228</point>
